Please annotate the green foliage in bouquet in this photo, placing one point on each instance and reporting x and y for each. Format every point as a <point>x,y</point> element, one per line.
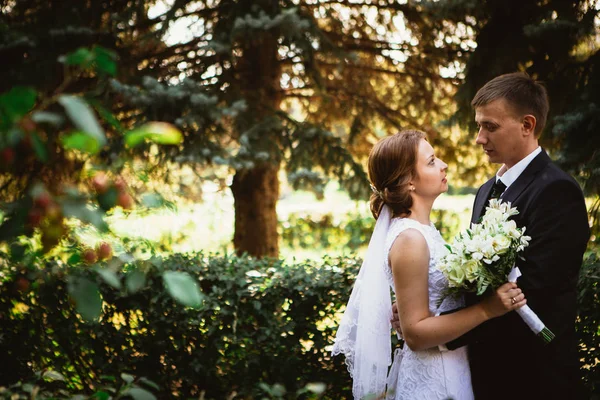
<point>483,256</point>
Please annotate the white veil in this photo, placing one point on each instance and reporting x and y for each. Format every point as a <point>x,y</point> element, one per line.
<point>364,334</point>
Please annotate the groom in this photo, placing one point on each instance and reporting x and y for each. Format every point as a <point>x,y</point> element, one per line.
<point>511,111</point>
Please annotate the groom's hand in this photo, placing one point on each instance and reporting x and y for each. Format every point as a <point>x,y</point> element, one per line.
<point>396,319</point>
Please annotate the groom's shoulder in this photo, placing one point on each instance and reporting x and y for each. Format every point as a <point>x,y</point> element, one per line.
<point>552,173</point>
<point>553,179</point>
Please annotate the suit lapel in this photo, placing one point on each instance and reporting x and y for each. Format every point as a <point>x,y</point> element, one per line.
<point>481,199</point>
<point>527,176</point>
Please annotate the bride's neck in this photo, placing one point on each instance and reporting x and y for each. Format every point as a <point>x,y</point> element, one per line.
<point>421,210</point>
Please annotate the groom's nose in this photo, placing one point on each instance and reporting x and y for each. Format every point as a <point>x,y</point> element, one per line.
<point>481,137</point>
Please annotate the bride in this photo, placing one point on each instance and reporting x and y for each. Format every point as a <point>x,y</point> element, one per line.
<point>405,247</point>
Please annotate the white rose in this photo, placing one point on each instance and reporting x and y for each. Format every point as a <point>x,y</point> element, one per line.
<point>471,268</point>
<point>501,244</point>
<point>456,276</point>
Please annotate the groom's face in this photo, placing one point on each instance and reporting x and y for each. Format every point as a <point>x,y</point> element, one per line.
<point>500,132</point>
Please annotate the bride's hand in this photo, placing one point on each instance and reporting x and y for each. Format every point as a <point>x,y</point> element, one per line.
<point>507,297</point>
<point>396,319</point>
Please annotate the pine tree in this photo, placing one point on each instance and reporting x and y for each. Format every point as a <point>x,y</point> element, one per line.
<point>342,66</point>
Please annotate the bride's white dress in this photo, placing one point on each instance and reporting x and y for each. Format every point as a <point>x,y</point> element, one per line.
<point>428,374</point>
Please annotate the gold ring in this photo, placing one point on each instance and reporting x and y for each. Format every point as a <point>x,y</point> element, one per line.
<point>512,300</point>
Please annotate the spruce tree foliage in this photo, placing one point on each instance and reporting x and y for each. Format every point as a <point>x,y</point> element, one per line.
<point>554,41</point>
<point>304,85</point>
<point>309,85</point>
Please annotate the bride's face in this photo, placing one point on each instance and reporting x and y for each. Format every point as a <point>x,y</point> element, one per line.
<point>431,172</point>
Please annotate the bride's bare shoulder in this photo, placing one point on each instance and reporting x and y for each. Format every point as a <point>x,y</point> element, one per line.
<point>409,248</point>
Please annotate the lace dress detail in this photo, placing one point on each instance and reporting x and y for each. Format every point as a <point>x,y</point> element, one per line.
<point>428,374</point>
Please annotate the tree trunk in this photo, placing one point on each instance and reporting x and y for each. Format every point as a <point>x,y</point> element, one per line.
<point>255,193</point>
<point>256,190</point>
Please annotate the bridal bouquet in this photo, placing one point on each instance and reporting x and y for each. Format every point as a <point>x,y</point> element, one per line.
<point>484,256</point>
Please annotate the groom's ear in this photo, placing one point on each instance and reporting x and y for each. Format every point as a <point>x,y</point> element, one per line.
<point>529,123</point>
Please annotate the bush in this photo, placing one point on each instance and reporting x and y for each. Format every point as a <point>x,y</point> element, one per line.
<point>260,321</point>
<point>588,322</point>
<point>351,233</point>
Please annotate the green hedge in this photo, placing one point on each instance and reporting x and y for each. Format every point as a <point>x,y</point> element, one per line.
<point>351,232</point>
<point>260,321</point>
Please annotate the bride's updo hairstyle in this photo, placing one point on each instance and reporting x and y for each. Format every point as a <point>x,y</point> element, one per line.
<point>392,165</point>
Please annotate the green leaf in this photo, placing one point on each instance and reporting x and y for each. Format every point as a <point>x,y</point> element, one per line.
<point>79,209</point>
<point>28,387</point>
<point>81,57</point>
<point>39,148</point>
<point>53,376</point>
<point>106,115</point>
<point>135,280</point>
<point>17,252</point>
<point>316,387</point>
<point>105,60</point>
<point>87,298</point>
<point>152,200</point>
<point>127,377</point>
<point>74,259</point>
<point>157,132</point>
<point>81,141</point>
<point>148,382</point>
<point>183,288</point>
<point>83,117</point>
<point>140,394</point>
<point>101,395</point>
<point>108,199</point>
<point>109,276</point>
<point>40,117</point>
<point>17,102</point>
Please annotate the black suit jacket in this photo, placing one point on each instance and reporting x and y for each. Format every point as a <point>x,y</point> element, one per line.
<point>503,352</point>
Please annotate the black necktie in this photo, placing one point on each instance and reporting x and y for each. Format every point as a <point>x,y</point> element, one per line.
<point>497,189</point>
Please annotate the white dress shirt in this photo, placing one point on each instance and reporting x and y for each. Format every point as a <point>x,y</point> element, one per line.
<point>509,176</point>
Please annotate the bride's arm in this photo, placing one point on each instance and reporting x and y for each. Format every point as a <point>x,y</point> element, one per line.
<point>409,260</point>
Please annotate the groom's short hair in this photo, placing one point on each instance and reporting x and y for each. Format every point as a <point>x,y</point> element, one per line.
<point>524,94</point>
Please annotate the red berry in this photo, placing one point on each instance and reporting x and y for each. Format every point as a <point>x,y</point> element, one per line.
<point>100,182</point>
<point>43,200</point>
<point>22,284</point>
<point>35,217</point>
<point>7,156</point>
<point>89,256</point>
<point>104,251</point>
<point>125,200</point>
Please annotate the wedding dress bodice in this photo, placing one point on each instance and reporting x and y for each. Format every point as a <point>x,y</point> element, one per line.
<point>428,374</point>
